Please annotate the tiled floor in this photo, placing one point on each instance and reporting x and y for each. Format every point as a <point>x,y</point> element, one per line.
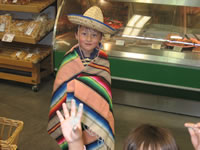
<point>18,101</point>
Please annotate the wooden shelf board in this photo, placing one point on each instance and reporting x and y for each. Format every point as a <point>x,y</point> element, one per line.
<point>14,62</point>
<point>33,7</point>
<point>18,78</point>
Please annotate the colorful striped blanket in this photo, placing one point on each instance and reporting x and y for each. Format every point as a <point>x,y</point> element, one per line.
<point>89,85</point>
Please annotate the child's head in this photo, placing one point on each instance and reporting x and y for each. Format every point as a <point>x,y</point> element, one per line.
<point>88,38</point>
<point>148,137</point>
<point>91,27</point>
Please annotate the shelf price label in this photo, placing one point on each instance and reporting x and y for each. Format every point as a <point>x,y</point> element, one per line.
<point>177,48</point>
<point>30,29</point>
<point>8,37</point>
<point>2,27</point>
<point>156,46</point>
<point>120,42</point>
<point>14,1</point>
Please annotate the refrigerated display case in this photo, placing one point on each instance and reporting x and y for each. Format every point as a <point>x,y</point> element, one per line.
<point>157,43</point>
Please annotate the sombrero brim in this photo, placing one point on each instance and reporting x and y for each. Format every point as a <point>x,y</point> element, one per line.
<point>90,23</point>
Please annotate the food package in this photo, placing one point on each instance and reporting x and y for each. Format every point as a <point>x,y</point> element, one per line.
<point>18,27</point>
<point>19,2</point>
<point>5,23</point>
<point>6,1</point>
<point>19,55</point>
<point>39,27</point>
<point>43,19</point>
<point>24,2</point>
<point>33,29</point>
<point>33,56</point>
<point>50,24</point>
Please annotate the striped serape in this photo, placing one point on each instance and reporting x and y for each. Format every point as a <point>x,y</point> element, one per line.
<point>89,85</point>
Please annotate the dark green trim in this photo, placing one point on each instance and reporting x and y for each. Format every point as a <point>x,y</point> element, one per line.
<point>58,57</point>
<point>154,72</point>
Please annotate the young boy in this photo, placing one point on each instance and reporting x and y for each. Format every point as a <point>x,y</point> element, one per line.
<point>84,75</point>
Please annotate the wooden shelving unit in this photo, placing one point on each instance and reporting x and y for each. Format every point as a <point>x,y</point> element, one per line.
<point>26,71</point>
<point>21,70</point>
<point>35,7</point>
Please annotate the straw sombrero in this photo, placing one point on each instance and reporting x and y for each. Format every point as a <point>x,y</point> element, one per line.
<point>92,18</point>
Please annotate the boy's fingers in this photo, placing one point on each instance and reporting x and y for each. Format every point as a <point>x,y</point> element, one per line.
<point>80,112</point>
<point>198,125</point>
<point>60,117</point>
<point>65,110</point>
<point>191,130</point>
<point>73,108</point>
<point>189,125</point>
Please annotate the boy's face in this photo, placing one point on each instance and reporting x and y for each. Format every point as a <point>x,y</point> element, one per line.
<point>88,38</point>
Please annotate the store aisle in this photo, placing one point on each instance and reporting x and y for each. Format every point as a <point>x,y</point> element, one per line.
<point>19,102</point>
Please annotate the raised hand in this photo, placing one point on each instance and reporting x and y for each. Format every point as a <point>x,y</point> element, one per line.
<point>194,130</point>
<point>71,122</point>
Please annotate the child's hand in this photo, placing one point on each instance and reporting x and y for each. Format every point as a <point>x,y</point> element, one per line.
<point>71,123</point>
<point>194,130</point>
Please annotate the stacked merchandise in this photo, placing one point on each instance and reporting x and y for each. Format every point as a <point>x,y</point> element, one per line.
<point>31,54</point>
<point>34,29</point>
<point>34,55</point>
<point>19,2</point>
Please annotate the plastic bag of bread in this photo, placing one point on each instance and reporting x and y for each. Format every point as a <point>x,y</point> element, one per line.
<point>43,19</point>
<point>21,2</point>
<point>33,57</point>
<point>18,27</point>
<point>6,1</point>
<point>50,24</point>
<point>37,28</point>
<point>19,55</point>
<point>5,23</point>
<point>33,29</point>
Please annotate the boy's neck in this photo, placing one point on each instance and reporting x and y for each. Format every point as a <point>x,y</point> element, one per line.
<point>87,53</point>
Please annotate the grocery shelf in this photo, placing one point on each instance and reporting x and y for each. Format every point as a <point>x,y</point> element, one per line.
<point>34,7</point>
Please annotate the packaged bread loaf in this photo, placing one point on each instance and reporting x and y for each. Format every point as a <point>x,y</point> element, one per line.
<point>19,2</point>
<point>43,19</point>
<point>37,28</point>
<point>50,24</point>
<point>6,1</point>
<point>18,27</point>
<point>33,29</point>
<point>19,55</point>
<point>32,57</point>
<point>5,22</point>
<point>24,2</point>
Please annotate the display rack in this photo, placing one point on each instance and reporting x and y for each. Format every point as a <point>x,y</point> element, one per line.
<point>26,71</point>
<point>22,70</point>
<point>35,6</point>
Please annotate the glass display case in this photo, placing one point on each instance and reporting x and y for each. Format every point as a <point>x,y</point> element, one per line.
<point>156,42</point>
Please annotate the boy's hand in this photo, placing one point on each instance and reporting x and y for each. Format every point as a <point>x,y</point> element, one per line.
<point>71,123</point>
<point>194,130</point>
